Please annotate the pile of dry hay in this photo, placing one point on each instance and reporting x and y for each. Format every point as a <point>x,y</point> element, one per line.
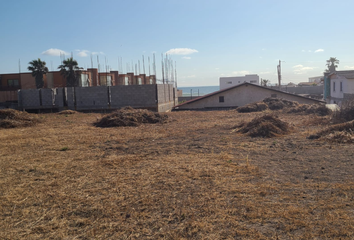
<point>67,112</point>
<point>253,107</point>
<point>129,116</point>
<point>318,109</point>
<point>341,133</point>
<point>10,118</point>
<point>266,126</point>
<point>289,106</point>
<point>279,103</point>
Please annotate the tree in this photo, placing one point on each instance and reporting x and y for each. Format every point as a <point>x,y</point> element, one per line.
<point>264,82</point>
<point>70,70</point>
<point>332,64</point>
<point>38,69</point>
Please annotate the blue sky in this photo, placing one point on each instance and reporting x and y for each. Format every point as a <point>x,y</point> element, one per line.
<point>207,39</point>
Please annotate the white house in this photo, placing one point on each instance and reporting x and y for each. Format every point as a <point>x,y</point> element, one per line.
<point>226,82</point>
<point>238,96</point>
<point>340,86</point>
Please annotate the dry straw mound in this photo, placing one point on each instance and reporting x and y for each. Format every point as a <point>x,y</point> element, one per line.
<point>318,109</point>
<point>288,106</point>
<point>341,133</point>
<point>10,118</point>
<point>129,116</point>
<point>266,126</point>
<point>345,113</point>
<point>253,107</point>
<point>67,112</point>
<point>278,103</point>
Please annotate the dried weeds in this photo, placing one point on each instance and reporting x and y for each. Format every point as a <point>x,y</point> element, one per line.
<point>188,179</point>
<point>279,103</point>
<point>266,126</point>
<point>253,107</point>
<point>129,116</point>
<point>317,109</point>
<point>341,133</point>
<point>67,112</point>
<point>10,118</point>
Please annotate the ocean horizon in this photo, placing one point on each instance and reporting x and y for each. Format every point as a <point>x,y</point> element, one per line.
<point>198,91</point>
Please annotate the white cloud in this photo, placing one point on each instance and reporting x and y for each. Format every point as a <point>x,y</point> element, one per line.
<point>300,69</point>
<point>186,58</point>
<point>82,53</point>
<point>241,72</point>
<point>303,51</point>
<point>309,51</point>
<point>54,52</point>
<point>348,68</point>
<point>319,50</point>
<point>181,51</point>
<point>266,72</point>
<point>97,53</point>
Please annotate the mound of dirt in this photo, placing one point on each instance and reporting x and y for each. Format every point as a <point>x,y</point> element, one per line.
<point>278,103</point>
<point>10,118</point>
<point>318,109</point>
<point>341,133</point>
<point>129,116</point>
<point>253,107</point>
<point>67,112</point>
<point>266,126</point>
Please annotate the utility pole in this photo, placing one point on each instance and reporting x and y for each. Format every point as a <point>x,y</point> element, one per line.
<point>279,74</point>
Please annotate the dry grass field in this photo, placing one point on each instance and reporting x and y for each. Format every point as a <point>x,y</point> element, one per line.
<point>193,177</point>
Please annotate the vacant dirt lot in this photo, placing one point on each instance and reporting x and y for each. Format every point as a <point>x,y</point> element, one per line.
<point>193,177</point>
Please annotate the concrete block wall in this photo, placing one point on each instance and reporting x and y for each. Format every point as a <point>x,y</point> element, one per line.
<point>92,98</point>
<point>165,93</point>
<point>29,98</point>
<point>58,97</point>
<point>133,95</point>
<point>159,97</point>
<point>70,97</point>
<point>47,97</point>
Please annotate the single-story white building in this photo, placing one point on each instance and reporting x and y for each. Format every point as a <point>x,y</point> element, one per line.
<point>226,82</point>
<point>238,96</point>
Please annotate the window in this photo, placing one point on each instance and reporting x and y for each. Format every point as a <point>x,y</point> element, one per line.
<point>334,86</point>
<point>139,81</point>
<point>253,81</point>
<point>85,81</point>
<point>221,99</point>
<point>126,81</point>
<point>229,82</point>
<point>150,81</point>
<point>106,80</point>
<point>341,86</point>
<point>13,83</point>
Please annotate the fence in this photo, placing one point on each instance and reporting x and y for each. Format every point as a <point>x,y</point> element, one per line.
<point>157,97</point>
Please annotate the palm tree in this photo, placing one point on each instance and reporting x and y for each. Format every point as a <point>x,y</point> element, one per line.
<point>331,64</point>
<point>38,69</point>
<point>264,82</point>
<point>69,69</point>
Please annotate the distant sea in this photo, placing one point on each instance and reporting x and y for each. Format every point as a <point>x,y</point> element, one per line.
<point>198,91</point>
